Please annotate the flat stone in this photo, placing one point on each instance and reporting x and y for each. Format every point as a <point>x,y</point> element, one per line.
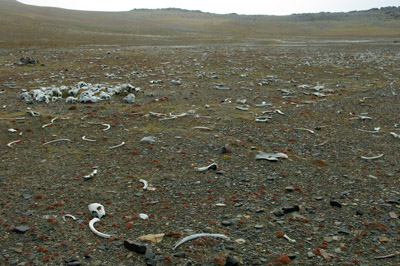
<point>180,255</point>
<point>149,255</point>
<point>20,229</point>
<point>258,226</point>
<point>226,223</point>
<point>135,247</point>
<point>289,189</point>
<point>278,213</point>
<point>310,254</point>
<point>151,262</point>
<point>289,209</point>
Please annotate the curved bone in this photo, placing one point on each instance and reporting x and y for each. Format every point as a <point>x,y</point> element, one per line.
<point>13,142</point>
<point>107,127</point>
<point>91,226</point>
<point>144,183</point>
<point>92,174</point>
<point>212,166</point>
<point>188,238</point>
<point>84,138</point>
<point>70,216</point>
<point>372,158</point>
<point>56,140</point>
<point>116,146</point>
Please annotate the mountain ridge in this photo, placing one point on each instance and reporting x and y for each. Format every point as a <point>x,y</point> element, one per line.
<point>20,23</point>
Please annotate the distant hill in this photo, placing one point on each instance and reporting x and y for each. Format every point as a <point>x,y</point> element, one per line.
<point>25,25</point>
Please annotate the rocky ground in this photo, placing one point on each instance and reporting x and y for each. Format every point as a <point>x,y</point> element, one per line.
<point>333,111</point>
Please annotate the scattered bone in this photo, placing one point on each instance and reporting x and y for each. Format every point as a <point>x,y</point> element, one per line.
<point>56,140</point>
<point>33,113</point>
<point>242,108</point>
<point>107,126</point>
<point>97,210</point>
<point>289,239</point>
<point>91,226</point>
<point>203,128</point>
<point>145,184</point>
<point>117,146</point>
<point>143,216</point>
<point>84,138</point>
<point>189,238</point>
<point>69,216</point>
<point>12,130</point>
<point>149,139</point>
<point>376,130</point>
<point>212,166</point>
<point>270,156</point>
<point>397,136</point>
<point>263,104</point>
<point>12,143</point>
<point>262,119</point>
<point>305,129</point>
<point>16,118</point>
<point>92,174</point>
<point>361,117</point>
<point>372,158</point>
<point>388,256</point>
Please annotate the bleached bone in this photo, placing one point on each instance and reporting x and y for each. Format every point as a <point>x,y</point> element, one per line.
<point>71,99</point>
<point>149,139</point>
<point>33,113</point>
<point>91,226</point>
<point>92,174</point>
<point>13,142</point>
<point>205,128</point>
<point>130,98</point>
<point>56,140</point>
<point>96,209</point>
<point>70,216</point>
<point>289,239</point>
<point>262,119</point>
<point>361,117</point>
<point>376,130</point>
<point>189,238</point>
<point>305,129</point>
<point>372,158</point>
<point>117,146</point>
<point>270,156</point>
<point>145,184</point>
<point>212,166</point>
<point>84,138</point>
<point>143,216</point>
<point>395,135</point>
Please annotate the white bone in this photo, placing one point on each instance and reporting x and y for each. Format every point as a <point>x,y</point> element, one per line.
<point>56,140</point>
<point>70,216</point>
<point>213,166</point>
<point>91,226</point>
<point>84,138</point>
<point>188,238</point>
<point>97,209</point>
<point>144,183</point>
<point>289,239</point>
<point>116,146</point>
<point>372,158</point>
<point>12,142</point>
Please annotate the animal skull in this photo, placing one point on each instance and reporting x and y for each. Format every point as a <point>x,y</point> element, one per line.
<point>97,210</point>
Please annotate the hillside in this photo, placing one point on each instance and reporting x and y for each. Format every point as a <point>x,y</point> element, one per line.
<point>24,24</point>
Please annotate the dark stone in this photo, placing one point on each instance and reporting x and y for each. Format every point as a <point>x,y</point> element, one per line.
<point>335,203</point>
<point>226,223</point>
<point>358,212</point>
<point>344,231</point>
<point>223,150</point>
<point>134,246</point>
<point>291,256</point>
<point>278,213</point>
<point>318,128</point>
<point>71,259</point>
<point>260,211</point>
<point>151,262</point>
<point>231,261</point>
<point>21,229</point>
<point>149,255</point>
<point>27,213</point>
<point>180,255</point>
<point>289,209</point>
<point>74,263</point>
<point>393,201</point>
<point>188,263</point>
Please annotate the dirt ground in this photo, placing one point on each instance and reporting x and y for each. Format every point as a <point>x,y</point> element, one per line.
<point>332,109</point>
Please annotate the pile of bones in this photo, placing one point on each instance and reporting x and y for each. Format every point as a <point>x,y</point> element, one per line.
<point>82,92</point>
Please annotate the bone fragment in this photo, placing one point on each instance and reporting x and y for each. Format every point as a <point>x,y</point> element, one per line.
<point>91,226</point>
<point>189,238</point>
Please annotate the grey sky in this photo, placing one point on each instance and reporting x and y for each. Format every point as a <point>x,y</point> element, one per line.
<point>267,7</point>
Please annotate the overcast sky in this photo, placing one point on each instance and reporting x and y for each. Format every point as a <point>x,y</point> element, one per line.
<point>265,7</point>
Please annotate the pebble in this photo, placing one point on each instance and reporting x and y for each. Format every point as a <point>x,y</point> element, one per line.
<point>289,209</point>
<point>278,213</point>
<point>180,255</point>
<point>289,189</point>
<point>335,203</point>
<point>226,223</point>
<point>21,229</point>
<point>240,241</point>
<point>310,254</point>
<point>231,261</point>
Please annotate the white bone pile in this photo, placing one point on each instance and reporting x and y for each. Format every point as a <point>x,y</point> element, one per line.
<point>81,92</point>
